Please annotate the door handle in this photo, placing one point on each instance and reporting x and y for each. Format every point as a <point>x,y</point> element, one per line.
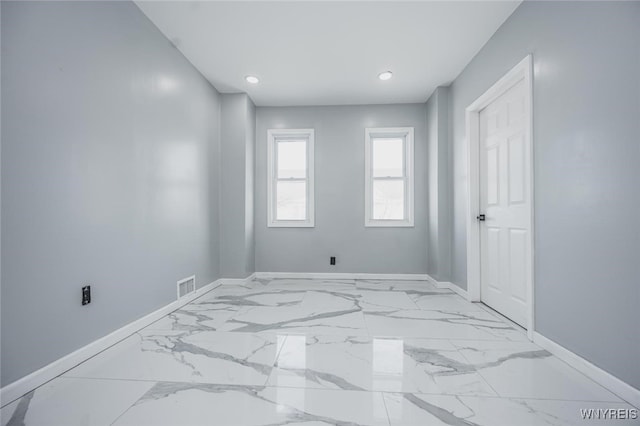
<point>480,217</point>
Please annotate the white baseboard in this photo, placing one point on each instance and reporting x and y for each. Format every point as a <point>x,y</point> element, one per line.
<point>607,380</point>
<point>340,276</point>
<point>449,285</point>
<point>22,386</point>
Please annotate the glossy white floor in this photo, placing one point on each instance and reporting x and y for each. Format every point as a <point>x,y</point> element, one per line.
<point>320,352</point>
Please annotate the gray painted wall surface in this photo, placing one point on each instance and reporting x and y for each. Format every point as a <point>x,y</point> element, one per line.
<point>431,109</point>
<point>237,141</point>
<point>0,198</point>
<point>587,150</point>
<point>109,175</point>
<point>439,216</point>
<point>339,195</point>
<point>232,177</point>
<point>250,140</point>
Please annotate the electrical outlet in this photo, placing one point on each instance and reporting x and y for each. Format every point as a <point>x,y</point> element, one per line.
<point>86,295</point>
<point>332,260</point>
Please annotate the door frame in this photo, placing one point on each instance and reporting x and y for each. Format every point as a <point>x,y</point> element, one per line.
<point>523,70</point>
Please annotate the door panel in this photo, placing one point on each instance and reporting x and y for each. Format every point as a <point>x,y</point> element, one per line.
<point>493,174</point>
<point>493,248</point>
<point>505,201</point>
<point>518,264</point>
<point>516,169</point>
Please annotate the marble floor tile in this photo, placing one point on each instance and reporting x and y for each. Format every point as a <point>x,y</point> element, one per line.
<point>445,302</point>
<point>320,352</point>
<point>441,325</point>
<point>212,310</point>
<point>410,287</point>
<point>74,402</point>
<point>321,312</point>
<point>377,364</point>
<point>255,283</point>
<point>310,285</point>
<point>419,410</point>
<point>333,300</point>
<point>206,404</point>
<point>384,301</point>
<point>206,357</point>
<point>298,321</point>
<point>196,317</point>
<point>524,370</point>
<point>238,298</point>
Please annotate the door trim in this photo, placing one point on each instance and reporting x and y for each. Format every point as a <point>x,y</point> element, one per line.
<point>522,70</point>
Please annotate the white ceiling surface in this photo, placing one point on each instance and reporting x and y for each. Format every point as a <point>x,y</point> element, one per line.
<point>329,53</point>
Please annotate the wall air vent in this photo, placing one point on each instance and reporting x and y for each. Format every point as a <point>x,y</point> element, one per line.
<point>186,286</point>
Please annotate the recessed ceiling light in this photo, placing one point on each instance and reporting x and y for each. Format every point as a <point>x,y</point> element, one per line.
<point>252,79</point>
<point>386,75</point>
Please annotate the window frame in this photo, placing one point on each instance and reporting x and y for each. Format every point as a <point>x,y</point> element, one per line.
<point>273,136</point>
<point>406,133</point>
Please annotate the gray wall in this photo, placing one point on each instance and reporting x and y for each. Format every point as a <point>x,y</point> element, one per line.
<point>250,143</point>
<point>586,153</point>
<point>236,198</point>
<point>339,195</point>
<point>439,204</point>
<point>109,175</point>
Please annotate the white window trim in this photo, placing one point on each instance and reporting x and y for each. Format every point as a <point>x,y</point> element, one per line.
<point>378,132</point>
<point>272,136</point>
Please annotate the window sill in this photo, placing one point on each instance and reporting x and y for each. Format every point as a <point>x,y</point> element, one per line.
<point>291,224</point>
<point>389,224</point>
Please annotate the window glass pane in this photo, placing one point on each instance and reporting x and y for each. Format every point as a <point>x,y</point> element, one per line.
<point>292,159</point>
<point>291,200</point>
<point>388,157</point>
<point>388,199</point>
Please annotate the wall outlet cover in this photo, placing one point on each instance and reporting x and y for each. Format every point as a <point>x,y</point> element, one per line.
<point>86,295</point>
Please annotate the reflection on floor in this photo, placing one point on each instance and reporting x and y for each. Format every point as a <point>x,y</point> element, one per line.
<point>338,352</point>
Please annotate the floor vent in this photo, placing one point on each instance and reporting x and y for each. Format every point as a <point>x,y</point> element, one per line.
<point>186,286</point>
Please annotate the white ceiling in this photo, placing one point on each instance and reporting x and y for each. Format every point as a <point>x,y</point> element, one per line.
<point>329,53</point>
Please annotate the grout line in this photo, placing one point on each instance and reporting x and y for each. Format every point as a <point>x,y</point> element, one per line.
<point>383,392</point>
<point>386,409</point>
<point>506,321</point>
<point>366,326</point>
<point>484,379</point>
<point>132,405</point>
<point>413,301</point>
<point>276,358</point>
<point>498,315</point>
<point>119,379</point>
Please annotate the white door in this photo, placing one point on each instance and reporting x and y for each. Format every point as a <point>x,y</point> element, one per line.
<point>505,171</point>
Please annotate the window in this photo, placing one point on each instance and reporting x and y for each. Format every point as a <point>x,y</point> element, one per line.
<point>389,177</point>
<point>290,188</point>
